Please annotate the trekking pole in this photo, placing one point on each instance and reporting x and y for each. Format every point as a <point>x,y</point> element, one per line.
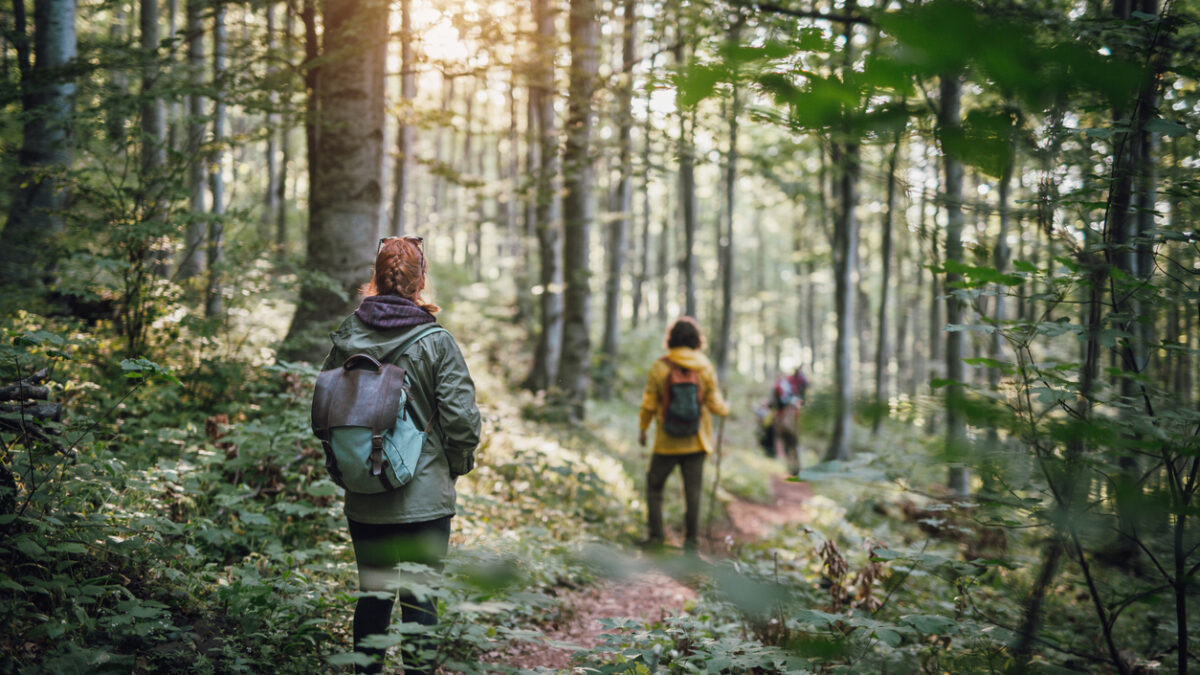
<point>712,497</point>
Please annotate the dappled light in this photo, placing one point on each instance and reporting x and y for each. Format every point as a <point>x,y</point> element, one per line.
<point>569,336</point>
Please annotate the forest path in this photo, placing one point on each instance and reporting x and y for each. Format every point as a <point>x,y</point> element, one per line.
<point>650,595</point>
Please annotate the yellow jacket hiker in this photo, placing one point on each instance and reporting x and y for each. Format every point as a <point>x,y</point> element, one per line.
<point>684,342</point>
<point>713,403</point>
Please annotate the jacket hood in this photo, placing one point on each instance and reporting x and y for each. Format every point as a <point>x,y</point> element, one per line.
<point>688,358</point>
<point>354,336</point>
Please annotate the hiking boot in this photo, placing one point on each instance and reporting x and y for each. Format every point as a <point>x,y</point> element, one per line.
<point>652,544</point>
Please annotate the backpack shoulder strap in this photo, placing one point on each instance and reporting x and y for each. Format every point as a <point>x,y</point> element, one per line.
<point>417,334</point>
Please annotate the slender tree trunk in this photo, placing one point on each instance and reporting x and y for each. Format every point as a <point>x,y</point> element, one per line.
<point>549,347</point>
<point>271,195</point>
<point>845,253</point>
<point>153,140</point>
<point>194,258</point>
<point>533,160</point>
<point>573,376</point>
<point>285,146</point>
<point>687,207</point>
<point>725,244</point>
<point>404,134</point>
<point>28,243</point>
<point>643,273</point>
<point>174,110</point>
<point>213,305</point>
<point>882,349</point>
<point>346,166</point>
<point>1000,258</point>
<point>956,426</point>
<point>622,202</point>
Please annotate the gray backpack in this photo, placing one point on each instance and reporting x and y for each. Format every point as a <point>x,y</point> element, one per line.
<point>361,415</point>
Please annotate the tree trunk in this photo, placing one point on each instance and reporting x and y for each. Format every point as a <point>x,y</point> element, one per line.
<point>271,195</point>
<point>549,346</point>
<point>622,202</point>
<point>285,146</point>
<point>404,134</point>
<point>725,246</point>
<point>573,373</point>
<point>194,258</point>
<point>687,204</point>
<point>213,306</point>
<point>845,252</point>
<point>346,167</point>
<point>882,349</point>
<point>39,196</point>
<point>956,427</point>
<point>643,273</point>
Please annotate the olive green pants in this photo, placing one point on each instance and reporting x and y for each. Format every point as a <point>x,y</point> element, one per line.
<point>691,466</point>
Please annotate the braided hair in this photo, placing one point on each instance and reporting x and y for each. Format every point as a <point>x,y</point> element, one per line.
<point>400,270</point>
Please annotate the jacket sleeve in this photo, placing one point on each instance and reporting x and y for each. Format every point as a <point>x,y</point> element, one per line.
<point>651,397</point>
<point>713,401</point>
<point>458,413</point>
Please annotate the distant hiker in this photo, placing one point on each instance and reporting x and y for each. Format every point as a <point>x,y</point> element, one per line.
<point>410,523</point>
<point>765,416</point>
<point>787,397</point>
<point>681,393</point>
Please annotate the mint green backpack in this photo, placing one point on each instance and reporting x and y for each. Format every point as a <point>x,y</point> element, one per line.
<point>361,415</point>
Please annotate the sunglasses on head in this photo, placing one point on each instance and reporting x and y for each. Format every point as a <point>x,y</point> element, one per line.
<point>411,238</point>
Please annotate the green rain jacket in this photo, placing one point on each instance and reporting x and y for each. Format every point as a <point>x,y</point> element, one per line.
<point>439,377</point>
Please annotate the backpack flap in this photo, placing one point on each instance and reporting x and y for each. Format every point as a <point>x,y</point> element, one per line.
<point>354,406</point>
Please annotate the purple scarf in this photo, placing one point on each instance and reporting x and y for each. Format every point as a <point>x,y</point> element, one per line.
<point>389,312</point>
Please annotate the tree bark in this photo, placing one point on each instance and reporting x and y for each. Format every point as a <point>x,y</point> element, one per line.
<point>194,258</point>
<point>404,134</point>
<point>549,347</point>
<point>687,205</point>
<point>845,253</point>
<point>271,196</point>
<point>882,348</point>
<point>346,167</point>
<point>725,244</point>
<point>154,132</point>
<point>622,202</point>
<point>213,304</point>
<point>956,427</point>
<point>573,376</point>
<point>39,196</point>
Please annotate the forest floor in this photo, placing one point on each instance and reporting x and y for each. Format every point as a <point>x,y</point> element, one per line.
<point>651,595</point>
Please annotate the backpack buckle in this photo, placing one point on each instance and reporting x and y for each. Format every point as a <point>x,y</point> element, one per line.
<point>376,455</point>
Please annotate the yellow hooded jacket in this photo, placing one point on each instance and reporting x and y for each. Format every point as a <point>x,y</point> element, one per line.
<point>713,403</point>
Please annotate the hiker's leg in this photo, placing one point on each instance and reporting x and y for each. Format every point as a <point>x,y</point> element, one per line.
<point>692,466</point>
<point>656,477</point>
<point>429,542</point>
<point>371,617</point>
<point>375,561</point>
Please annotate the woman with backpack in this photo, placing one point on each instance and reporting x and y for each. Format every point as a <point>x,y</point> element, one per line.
<point>411,523</point>
<point>681,396</point>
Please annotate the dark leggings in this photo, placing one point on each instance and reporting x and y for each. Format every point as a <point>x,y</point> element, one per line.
<point>691,466</point>
<point>378,548</point>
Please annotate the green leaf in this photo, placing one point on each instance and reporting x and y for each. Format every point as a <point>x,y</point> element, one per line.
<point>1171,128</point>
<point>350,659</point>
<point>931,624</point>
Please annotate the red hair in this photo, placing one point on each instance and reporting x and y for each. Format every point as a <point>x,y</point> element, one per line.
<point>400,270</point>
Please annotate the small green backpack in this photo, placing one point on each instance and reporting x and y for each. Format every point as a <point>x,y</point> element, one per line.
<point>361,415</point>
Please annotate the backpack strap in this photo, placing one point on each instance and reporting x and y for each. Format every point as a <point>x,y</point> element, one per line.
<point>419,334</point>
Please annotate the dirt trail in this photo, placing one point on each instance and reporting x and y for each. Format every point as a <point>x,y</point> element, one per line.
<point>651,596</point>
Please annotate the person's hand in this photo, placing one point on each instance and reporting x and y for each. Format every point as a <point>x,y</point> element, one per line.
<point>642,438</point>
